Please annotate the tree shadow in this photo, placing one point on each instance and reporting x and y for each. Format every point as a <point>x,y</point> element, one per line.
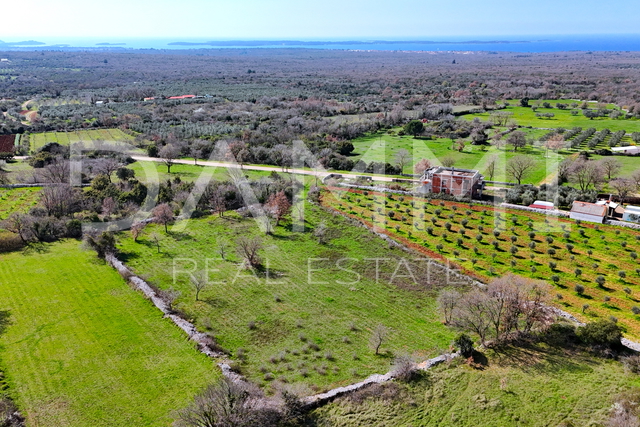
<point>36,248</point>
<point>5,320</point>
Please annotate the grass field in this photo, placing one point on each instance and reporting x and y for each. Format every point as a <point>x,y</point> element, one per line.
<point>85,350</point>
<point>611,253</point>
<point>291,312</point>
<point>17,200</point>
<point>186,173</point>
<point>37,140</point>
<point>525,116</point>
<point>535,387</point>
<point>383,147</point>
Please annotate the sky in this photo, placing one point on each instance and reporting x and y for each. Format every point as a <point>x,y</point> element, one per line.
<point>303,19</point>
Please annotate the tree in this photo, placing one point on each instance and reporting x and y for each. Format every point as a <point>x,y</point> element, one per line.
<point>249,249</point>
<point>402,157</point>
<point>517,139</point>
<point>229,403</point>
<point>490,170</point>
<point>199,281</point>
<point>278,205</point>
<point>585,173</point>
<point>162,214</point>
<point>60,200</point>
<point>218,201</point>
<point>447,301</point>
<point>590,114</point>
<point>414,128</point>
<point>136,230</point>
<point>169,153</point>
<point>103,243</point>
<point>519,167</point>
<point>464,344</point>
<point>555,142</point>
<point>107,166</point>
<point>378,336</point>
<point>448,161</point>
<point>610,166</point>
<point>422,166</point>
<point>623,187</point>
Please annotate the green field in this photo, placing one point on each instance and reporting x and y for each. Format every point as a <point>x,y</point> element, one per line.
<point>186,173</point>
<point>535,387</point>
<point>17,200</point>
<point>85,350</point>
<point>382,147</point>
<point>37,140</point>
<point>290,313</point>
<point>611,252</point>
<point>525,116</point>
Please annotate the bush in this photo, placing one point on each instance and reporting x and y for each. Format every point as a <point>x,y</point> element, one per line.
<point>601,333</point>
<point>404,368</point>
<point>464,344</point>
<point>579,289</point>
<point>10,242</point>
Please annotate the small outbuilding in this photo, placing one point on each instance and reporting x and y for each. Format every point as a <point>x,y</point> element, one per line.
<point>539,204</point>
<point>591,212</point>
<point>631,213</point>
<point>629,150</point>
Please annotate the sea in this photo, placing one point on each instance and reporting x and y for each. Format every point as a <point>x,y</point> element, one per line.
<point>532,43</point>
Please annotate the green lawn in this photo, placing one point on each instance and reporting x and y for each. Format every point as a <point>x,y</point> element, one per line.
<point>290,312</point>
<point>540,387</point>
<point>85,350</point>
<point>525,116</point>
<point>382,147</point>
<point>611,253</point>
<point>38,140</point>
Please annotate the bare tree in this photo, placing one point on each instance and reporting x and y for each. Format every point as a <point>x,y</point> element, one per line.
<point>586,173</point>
<point>19,224</point>
<point>169,153</point>
<point>218,201</point>
<point>199,281</point>
<point>402,157</point>
<point>519,167</point>
<point>378,336</point>
<point>136,230</point>
<point>249,249</point>
<point>108,206</point>
<point>471,314</point>
<point>107,166</point>
<point>623,187</point>
<point>490,169</point>
<point>222,248</point>
<point>162,214</point>
<point>447,301</point>
<point>610,166</point>
<point>278,206</point>
<point>555,142</point>
<point>60,200</point>
<point>58,171</point>
<point>156,240</point>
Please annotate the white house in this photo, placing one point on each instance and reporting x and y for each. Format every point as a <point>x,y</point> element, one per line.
<point>631,213</point>
<point>631,149</point>
<point>588,212</point>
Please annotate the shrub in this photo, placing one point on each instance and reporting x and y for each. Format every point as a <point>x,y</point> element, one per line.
<point>551,251</point>
<point>635,310</point>
<point>404,368</point>
<point>601,333</point>
<point>464,343</point>
<point>600,280</point>
<point>579,289</point>
<point>555,278</point>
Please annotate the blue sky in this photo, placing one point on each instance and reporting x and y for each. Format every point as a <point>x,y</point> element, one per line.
<point>291,19</point>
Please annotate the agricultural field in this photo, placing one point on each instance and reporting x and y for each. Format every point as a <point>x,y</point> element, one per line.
<point>533,386</point>
<point>594,269</point>
<point>17,200</point>
<point>307,317</point>
<point>525,116</point>
<point>38,140</point>
<point>83,349</point>
<point>382,147</point>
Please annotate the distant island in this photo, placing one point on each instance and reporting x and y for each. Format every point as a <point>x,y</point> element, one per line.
<point>254,43</point>
<point>24,43</point>
<point>111,44</point>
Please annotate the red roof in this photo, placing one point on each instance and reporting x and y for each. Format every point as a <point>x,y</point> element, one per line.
<point>589,209</point>
<point>541,206</point>
<point>7,143</point>
<point>182,97</point>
